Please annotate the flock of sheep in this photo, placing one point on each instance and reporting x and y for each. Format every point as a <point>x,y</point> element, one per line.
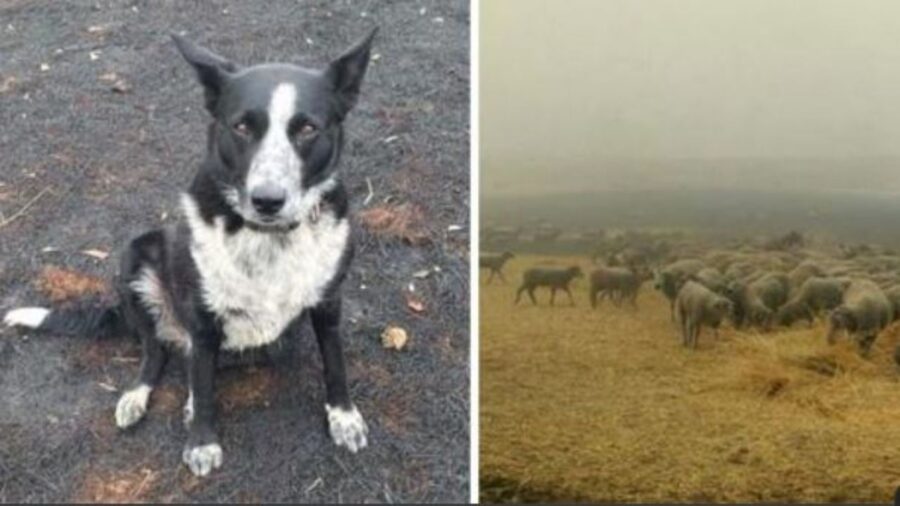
<point>776,283</point>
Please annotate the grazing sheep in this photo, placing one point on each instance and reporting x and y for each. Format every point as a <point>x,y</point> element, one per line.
<point>814,295</point>
<point>555,279</point>
<point>756,302</point>
<point>711,278</point>
<point>670,279</point>
<point>864,312</point>
<point>802,272</point>
<point>617,283</point>
<point>494,263</point>
<point>893,295</point>
<point>698,306</point>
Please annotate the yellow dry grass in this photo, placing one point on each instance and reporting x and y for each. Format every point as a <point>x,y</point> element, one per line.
<point>606,405</point>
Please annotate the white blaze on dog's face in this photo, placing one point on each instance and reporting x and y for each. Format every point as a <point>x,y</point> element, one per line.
<point>277,130</point>
<point>275,170</point>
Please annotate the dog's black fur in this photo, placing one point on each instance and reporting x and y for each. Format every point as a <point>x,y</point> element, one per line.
<point>165,298</point>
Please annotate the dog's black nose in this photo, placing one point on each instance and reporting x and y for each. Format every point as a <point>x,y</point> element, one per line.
<point>268,198</point>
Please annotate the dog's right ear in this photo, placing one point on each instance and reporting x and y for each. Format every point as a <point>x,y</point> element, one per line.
<point>213,71</point>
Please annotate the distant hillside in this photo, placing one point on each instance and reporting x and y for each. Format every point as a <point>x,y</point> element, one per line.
<point>848,215</point>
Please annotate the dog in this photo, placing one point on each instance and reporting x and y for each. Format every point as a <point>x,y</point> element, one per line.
<point>263,239</point>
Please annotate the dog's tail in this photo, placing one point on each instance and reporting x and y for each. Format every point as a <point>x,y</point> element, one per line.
<point>94,321</point>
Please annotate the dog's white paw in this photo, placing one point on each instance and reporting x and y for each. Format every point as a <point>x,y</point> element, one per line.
<point>201,460</point>
<point>347,428</point>
<point>132,406</point>
<point>31,317</point>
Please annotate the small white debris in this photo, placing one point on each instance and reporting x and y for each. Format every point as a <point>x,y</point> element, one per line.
<point>52,419</point>
<point>421,274</point>
<point>225,11</point>
<point>95,55</point>
<point>363,14</point>
<point>411,287</point>
<point>58,51</point>
<point>308,41</point>
<point>422,11</point>
<point>454,228</point>
<point>99,255</point>
<point>134,8</point>
<point>376,57</point>
<point>390,139</point>
<point>438,20</point>
<point>49,249</point>
<point>45,67</point>
<point>10,28</point>
<point>164,215</point>
<point>107,387</point>
<point>362,287</point>
<point>437,268</point>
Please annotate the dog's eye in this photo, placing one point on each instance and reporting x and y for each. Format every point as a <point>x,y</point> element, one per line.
<point>242,128</point>
<point>306,132</point>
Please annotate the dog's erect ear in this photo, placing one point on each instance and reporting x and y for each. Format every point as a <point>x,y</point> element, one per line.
<point>212,70</point>
<point>347,71</point>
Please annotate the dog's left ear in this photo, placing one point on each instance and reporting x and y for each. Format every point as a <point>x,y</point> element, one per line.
<point>347,71</point>
<point>213,71</point>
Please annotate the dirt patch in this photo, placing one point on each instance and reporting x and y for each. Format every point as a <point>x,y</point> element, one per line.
<point>63,285</point>
<point>252,388</point>
<point>135,485</point>
<point>403,221</point>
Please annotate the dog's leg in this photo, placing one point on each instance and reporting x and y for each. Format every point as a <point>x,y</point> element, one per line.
<point>202,453</point>
<point>345,424</point>
<point>133,404</point>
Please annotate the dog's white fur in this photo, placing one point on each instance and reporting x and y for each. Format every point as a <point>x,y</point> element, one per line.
<point>347,428</point>
<point>203,459</point>
<point>132,406</point>
<point>152,294</point>
<point>31,317</point>
<point>257,282</point>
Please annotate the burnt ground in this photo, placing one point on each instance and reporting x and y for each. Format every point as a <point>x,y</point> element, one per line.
<point>86,167</point>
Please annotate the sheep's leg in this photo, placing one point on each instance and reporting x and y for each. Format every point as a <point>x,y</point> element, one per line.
<point>531,295</point>
<point>569,293</point>
<point>519,293</point>
<point>490,277</point>
<point>696,336</point>
<point>672,309</point>
<point>865,344</point>
<point>593,294</point>
<point>500,273</point>
<point>552,295</point>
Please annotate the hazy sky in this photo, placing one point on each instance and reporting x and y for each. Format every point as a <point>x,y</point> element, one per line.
<point>565,80</point>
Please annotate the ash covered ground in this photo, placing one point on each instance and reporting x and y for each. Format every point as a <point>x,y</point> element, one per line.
<point>103,126</point>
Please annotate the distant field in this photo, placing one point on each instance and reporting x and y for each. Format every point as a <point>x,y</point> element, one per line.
<point>606,405</point>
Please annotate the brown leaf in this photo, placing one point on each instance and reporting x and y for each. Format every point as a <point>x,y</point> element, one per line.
<point>394,337</point>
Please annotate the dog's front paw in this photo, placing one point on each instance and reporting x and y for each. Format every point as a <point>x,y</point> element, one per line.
<point>202,459</point>
<point>132,406</point>
<point>347,427</point>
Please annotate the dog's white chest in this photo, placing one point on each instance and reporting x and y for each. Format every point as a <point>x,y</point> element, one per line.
<point>258,282</point>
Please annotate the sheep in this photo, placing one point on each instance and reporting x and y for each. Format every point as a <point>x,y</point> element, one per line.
<point>555,279</point>
<point>698,306</point>
<point>711,278</point>
<point>893,295</point>
<point>814,295</point>
<point>864,312</point>
<point>669,279</point>
<point>802,272</point>
<point>494,263</point>
<point>618,283</point>
<point>756,302</point>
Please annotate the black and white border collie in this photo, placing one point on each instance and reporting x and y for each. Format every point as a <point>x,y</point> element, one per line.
<point>264,237</point>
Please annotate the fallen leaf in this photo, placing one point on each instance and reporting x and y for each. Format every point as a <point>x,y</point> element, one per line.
<point>61,285</point>
<point>7,84</point>
<point>415,304</point>
<point>98,254</point>
<point>394,337</point>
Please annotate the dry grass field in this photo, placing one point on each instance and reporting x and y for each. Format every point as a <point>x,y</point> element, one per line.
<point>606,405</point>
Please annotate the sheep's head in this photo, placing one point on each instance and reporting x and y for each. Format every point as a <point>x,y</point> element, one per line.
<point>507,255</point>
